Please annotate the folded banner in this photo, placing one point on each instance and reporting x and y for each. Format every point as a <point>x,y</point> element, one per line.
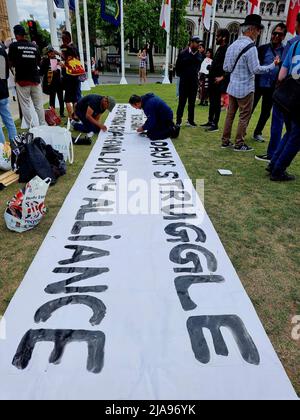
<point>60,4</point>
<point>111,11</point>
<point>134,298</point>
<point>294,9</point>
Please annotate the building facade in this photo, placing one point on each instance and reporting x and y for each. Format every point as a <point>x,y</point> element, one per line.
<point>4,22</point>
<point>231,13</point>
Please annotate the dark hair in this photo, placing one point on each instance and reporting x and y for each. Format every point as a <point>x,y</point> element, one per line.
<point>224,33</point>
<point>211,51</point>
<point>67,34</point>
<point>298,18</point>
<point>135,99</point>
<point>282,26</point>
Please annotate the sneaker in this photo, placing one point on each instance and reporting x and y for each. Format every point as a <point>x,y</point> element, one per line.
<point>191,124</point>
<point>263,158</point>
<point>212,129</point>
<point>228,145</point>
<point>207,125</point>
<point>243,148</point>
<point>90,134</point>
<point>73,122</point>
<point>269,168</point>
<point>259,138</point>
<point>175,132</point>
<point>282,177</point>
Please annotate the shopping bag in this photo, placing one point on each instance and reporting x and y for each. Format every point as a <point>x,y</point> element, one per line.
<point>27,208</point>
<point>5,157</point>
<point>51,117</point>
<point>58,137</point>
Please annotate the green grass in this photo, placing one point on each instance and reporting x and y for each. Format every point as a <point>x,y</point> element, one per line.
<point>257,220</point>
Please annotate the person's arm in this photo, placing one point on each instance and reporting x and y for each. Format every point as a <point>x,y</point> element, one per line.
<point>286,66</point>
<point>283,74</point>
<point>179,65</point>
<point>11,57</point>
<point>229,61</point>
<point>93,120</point>
<point>254,65</point>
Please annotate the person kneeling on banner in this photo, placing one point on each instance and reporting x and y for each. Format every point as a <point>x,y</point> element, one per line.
<point>89,110</point>
<point>159,124</point>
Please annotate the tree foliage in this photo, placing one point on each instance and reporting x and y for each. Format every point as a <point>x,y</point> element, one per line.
<point>45,37</point>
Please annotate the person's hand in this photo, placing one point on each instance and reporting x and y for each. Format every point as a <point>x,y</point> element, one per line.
<point>140,130</point>
<point>218,80</point>
<point>103,128</point>
<point>277,60</point>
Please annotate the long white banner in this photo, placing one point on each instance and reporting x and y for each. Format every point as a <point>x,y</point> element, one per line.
<point>132,295</point>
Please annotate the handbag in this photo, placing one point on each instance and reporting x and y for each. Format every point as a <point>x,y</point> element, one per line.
<point>287,94</point>
<point>51,117</point>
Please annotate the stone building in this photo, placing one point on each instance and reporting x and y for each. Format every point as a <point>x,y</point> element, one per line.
<point>4,22</point>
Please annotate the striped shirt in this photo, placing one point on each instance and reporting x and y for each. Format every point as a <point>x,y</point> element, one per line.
<point>242,80</point>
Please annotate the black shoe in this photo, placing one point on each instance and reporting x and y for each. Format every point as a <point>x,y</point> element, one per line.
<point>243,148</point>
<point>212,129</point>
<point>191,124</point>
<point>228,145</point>
<point>269,168</point>
<point>282,177</point>
<point>82,141</point>
<point>263,158</point>
<point>207,125</point>
<point>175,132</point>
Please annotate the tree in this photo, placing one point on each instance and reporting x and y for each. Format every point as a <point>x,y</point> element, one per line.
<point>44,35</point>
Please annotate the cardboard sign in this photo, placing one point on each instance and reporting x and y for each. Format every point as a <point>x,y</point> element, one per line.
<point>132,295</point>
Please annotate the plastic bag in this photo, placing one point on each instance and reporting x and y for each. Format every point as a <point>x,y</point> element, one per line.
<point>5,157</point>
<point>58,137</point>
<point>27,208</point>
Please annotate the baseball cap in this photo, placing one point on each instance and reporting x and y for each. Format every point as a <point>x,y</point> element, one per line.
<point>111,103</point>
<point>19,30</point>
<point>196,39</point>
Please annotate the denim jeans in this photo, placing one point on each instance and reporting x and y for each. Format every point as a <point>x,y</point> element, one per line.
<point>276,131</point>
<point>85,126</point>
<point>287,149</point>
<point>7,121</point>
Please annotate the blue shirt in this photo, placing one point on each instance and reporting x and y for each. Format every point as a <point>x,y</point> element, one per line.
<point>269,53</point>
<point>288,46</point>
<point>292,60</point>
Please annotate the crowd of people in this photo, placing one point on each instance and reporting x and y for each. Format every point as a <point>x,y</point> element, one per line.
<point>246,74</point>
<point>241,72</point>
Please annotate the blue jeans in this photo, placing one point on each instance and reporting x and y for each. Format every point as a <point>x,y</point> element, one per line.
<point>276,131</point>
<point>7,121</point>
<point>287,149</point>
<point>85,126</point>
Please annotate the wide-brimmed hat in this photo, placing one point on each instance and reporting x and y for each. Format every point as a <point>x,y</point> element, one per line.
<point>253,20</point>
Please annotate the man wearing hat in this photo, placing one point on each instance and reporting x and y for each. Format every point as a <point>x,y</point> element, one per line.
<point>89,110</point>
<point>25,58</point>
<point>242,63</point>
<point>187,68</point>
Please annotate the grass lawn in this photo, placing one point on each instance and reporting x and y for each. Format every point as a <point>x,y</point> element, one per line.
<point>257,220</point>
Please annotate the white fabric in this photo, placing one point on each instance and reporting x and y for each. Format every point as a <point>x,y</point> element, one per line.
<point>165,15</point>
<point>147,350</point>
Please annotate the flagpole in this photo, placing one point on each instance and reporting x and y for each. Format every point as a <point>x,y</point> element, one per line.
<point>67,14</point>
<point>87,44</point>
<point>211,39</point>
<point>85,85</point>
<point>52,24</point>
<point>166,80</point>
<point>123,78</point>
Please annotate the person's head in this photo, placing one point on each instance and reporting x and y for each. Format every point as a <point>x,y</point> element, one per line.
<point>278,34</point>
<point>209,53</point>
<point>19,32</point>
<point>195,42</point>
<point>66,38</point>
<point>223,37</point>
<point>136,101</point>
<point>50,52</point>
<point>252,26</point>
<point>108,103</point>
<point>298,24</point>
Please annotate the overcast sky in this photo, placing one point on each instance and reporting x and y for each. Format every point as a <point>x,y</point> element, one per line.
<point>38,8</point>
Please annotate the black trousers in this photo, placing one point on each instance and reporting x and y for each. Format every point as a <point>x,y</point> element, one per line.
<point>215,95</point>
<point>266,107</point>
<point>187,92</point>
<point>57,90</point>
<point>162,131</point>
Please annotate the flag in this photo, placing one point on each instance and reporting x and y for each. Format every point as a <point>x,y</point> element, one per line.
<point>207,13</point>
<point>61,5</point>
<point>165,15</point>
<point>292,15</point>
<point>254,7</point>
<point>111,11</point>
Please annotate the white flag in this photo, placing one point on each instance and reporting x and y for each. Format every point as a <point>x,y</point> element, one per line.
<point>165,15</point>
<point>207,13</point>
<point>254,7</point>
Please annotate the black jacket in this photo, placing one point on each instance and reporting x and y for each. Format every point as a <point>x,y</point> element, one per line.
<point>188,66</point>
<point>216,69</point>
<point>4,73</point>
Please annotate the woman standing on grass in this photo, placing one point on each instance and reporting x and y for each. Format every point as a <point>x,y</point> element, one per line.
<point>143,56</point>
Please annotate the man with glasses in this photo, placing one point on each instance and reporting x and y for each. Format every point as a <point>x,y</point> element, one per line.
<point>265,83</point>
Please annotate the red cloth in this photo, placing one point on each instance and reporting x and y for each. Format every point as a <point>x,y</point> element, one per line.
<point>24,83</point>
<point>292,16</point>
